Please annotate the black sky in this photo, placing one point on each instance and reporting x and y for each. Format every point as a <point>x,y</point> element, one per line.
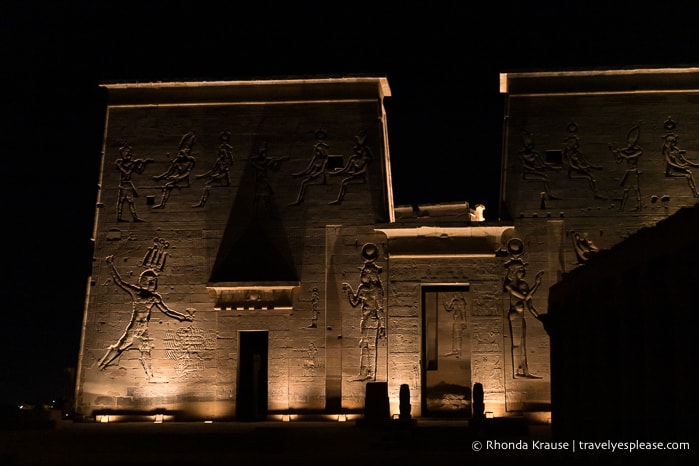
<point>442,61</point>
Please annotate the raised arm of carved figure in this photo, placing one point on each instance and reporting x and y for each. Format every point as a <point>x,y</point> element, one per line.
<point>351,294</point>
<point>173,313</point>
<point>117,278</point>
<point>537,283</point>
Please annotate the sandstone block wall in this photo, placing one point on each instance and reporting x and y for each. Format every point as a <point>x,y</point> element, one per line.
<point>584,167</point>
<point>211,209</point>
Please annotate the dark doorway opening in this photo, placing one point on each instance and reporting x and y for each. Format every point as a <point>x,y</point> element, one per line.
<point>251,393</point>
<point>446,350</point>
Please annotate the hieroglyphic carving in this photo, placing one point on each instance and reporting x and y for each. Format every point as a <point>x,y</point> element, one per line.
<point>583,247</point>
<point>156,255</point>
<point>534,167</point>
<point>676,164</point>
<point>630,153</point>
<point>188,346</point>
<point>355,169</point>
<point>369,296</point>
<point>578,166</point>
<point>457,307</point>
<point>317,168</point>
<point>127,166</point>
<point>315,312</point>
<point>520,295</point>
<point>261,164</point>
<point>218,175</point>
<point>144,298</point>
<point>177,174</point>
<point>311,362</point>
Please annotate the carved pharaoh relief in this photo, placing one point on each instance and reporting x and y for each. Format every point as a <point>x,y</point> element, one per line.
<point>677,165</point>
<point>578,165</point>
<point>355,170</point>
<point>178,173</point>
<point>144,299</point>
<point>262,163</point>
<point>319,167</point>
<point>629,155</point>
<point>316,170</point>
<point>218,175</point>
<point>534,167</point>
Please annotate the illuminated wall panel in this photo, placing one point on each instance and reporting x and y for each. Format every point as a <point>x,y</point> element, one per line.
<point>589,159</point>
<point>245,235</point>
<point>210,230</point>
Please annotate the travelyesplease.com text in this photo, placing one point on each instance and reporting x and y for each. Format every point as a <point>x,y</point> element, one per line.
<point>578,445</point>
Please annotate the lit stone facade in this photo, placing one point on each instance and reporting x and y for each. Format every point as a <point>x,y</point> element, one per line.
<point>589,159</point>
<point>250,203</point>
<point>286,278</point>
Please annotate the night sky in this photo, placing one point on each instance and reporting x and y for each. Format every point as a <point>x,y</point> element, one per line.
<point>442,61</point>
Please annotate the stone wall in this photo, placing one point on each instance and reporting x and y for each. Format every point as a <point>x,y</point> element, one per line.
<point>407,279</point>
<point>208,201</point>
<point>585,167</point>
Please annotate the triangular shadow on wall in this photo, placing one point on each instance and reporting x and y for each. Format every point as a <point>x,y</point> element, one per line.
<point>254,247</point>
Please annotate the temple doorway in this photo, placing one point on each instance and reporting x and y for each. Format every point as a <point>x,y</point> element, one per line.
<point>251,393</point>
<point>446,372</point>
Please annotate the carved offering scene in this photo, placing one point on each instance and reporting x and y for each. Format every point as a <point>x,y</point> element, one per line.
<point>601,163</point>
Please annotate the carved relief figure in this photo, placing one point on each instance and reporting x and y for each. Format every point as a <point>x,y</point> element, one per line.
<point>261,164</point>
<point>356,167</point>
<point>584,248</point>
<point>369,297</point>
<point>316,169</point>
<point>676,164</point>
<point>630,153</point>
<point>144,298</point>
<point>219,173</point>
<point>533,165</point>
<point>578,166</point>
<point>177,175</point>
<point>127,166</point>
<point>315,302</point>
<point>521,294</point>
<point>311,362</point>
<point>457,308</point>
